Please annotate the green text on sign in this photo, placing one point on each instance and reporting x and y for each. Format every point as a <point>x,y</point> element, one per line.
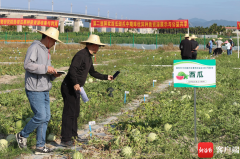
<point>194,73</point>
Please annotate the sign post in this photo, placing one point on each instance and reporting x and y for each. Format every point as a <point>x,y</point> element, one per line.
<point>195,73</point>
<point>238,27</point>
<point>154,81</point>
<point>145,95</point>
<point>91,123</point>
<point>125,96</point>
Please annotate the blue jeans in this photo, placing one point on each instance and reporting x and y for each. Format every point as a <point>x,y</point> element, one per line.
<point>210,50</point>
<point>229,52</point>
<point>40,105</point>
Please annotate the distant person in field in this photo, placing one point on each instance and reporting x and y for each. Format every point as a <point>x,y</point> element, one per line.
<point>210,44</point>
<point>219,44</point>
<point>195,47</point>
<point>232,45</point>
<point>186,48</point>
<point>39,73</point>
<point>228,45</point>
<point>71,86</point>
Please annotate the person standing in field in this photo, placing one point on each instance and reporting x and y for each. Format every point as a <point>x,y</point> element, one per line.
<point>228,45</point>
<point>80,66</point>
<point>186,48</point>
<point>210,44</point>
<point>232,45</point>
<point>195,47</point>
<point>219,44</point>
<point>39,73</point>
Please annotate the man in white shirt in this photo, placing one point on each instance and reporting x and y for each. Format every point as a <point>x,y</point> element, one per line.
<point>219,44</point>
<point>228,45</point>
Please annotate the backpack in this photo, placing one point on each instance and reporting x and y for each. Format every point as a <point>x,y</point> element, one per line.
<point>207,45</point>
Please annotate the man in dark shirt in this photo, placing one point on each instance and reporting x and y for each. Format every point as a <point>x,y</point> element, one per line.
<point>80,67</point>
<point>195,47</point>
<point>186,48</point>
<point>231,43</point>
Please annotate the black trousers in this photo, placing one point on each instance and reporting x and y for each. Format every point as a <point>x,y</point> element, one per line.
<point>186,57</point>
<point>71,99</point>
<point>218,51</point>
<point>194,55</point>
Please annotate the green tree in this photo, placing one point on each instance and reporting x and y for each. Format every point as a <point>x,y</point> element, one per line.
<point>68,28</point>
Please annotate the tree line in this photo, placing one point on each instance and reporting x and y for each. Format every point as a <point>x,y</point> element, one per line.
<point>212,30</point>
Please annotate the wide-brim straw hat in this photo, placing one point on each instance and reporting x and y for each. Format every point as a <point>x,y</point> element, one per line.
<point>93,39</point>
<point>213,39</point>
<point>186,36</point>
<point>193,37</point>
<point>219,38</point>
<point>52,33</point>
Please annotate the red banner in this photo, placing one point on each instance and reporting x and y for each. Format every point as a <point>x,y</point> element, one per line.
<point>29,22</point>
<point>238,25</point>
<point>163,24</point>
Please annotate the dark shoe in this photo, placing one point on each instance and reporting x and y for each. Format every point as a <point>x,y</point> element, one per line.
<point>42,151</point>
<point>22,142</point>
<point>81,139</point>
<point>67,143</point>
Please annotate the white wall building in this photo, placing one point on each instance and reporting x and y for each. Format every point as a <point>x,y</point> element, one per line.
<point>70,22</point>
<point>147,31</point>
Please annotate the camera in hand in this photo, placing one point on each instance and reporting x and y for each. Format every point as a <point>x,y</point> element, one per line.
<point>116,74</point>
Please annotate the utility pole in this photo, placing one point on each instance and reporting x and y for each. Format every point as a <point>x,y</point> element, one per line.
<point>116,16</point>
<point>98,11</point>
<point>86,10</point>
<point>122,17</point>
<point>108,14</point>
<point>52,5</point>
<point>28,4</point>
<point>0,3</point>
<point>71,7</point>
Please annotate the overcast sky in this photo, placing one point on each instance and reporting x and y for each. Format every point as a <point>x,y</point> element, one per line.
<point>139,9</point>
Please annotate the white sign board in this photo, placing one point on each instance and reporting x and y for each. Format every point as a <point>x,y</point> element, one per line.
<point>92,122</point>
<point>194,73</point>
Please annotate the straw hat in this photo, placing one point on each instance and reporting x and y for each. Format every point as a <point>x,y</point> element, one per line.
<point>186,36</point>
<point>219,38</point>
<point>93,39</point>
<point>213,39</point>
<point>52,33</point>
<point>193,37</point>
